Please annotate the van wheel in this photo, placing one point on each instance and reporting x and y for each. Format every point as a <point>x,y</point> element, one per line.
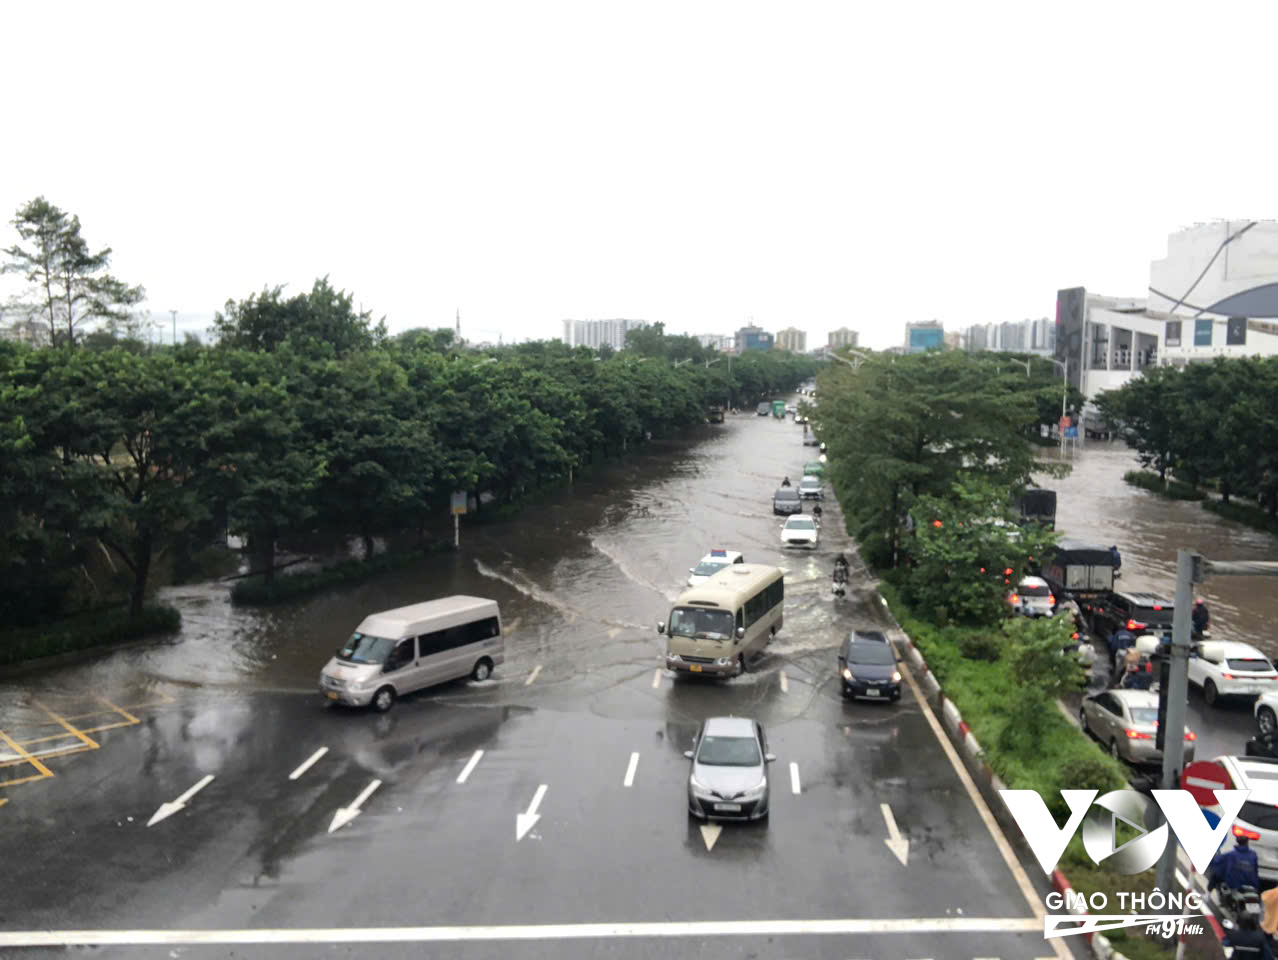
<point>1082,721</point>
<point>483,670</point>
<point>1210,694</point>
<point>384,699</point>
<point>741,664</point>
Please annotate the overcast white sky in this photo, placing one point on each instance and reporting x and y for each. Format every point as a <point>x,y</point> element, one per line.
<point>806,164</point>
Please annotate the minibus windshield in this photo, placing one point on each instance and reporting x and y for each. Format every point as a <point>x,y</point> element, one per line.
<point>361,648</point>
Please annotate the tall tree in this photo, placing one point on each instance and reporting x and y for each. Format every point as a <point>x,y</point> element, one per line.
<point>324,316</point>
<point>69,284</point>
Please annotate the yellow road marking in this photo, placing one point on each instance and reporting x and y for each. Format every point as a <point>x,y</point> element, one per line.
<point>15,782</point>
<point>22,753</point>
<point>112,726</point>
<point>3,801</point>
<point>120,710</point>
<point>52,736</point>
<point>79,734</point>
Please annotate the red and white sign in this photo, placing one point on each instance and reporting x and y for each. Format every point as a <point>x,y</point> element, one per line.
<point>1201,778</point>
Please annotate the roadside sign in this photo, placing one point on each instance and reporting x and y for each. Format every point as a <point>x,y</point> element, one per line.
<point>459,502</point>
<point>1201,778</point>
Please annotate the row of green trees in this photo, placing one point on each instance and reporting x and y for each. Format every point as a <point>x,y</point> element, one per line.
<point>1207,421</point>
<point>305,413</point>
<point>900,428</point>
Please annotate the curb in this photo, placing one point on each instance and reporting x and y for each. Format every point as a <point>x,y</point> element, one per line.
<point>958,729</point>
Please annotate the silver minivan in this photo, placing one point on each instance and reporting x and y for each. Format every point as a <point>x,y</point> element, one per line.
<point>398,651</point>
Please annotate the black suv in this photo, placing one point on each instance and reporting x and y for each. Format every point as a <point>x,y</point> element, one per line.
<point>1137,613</point>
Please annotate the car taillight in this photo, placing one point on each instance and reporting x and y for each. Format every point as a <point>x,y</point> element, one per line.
<point>1135,625</point>
<point>1245,833</point>
<point>1157,607</point>
<point>1014,599</point>
<point>1137,735</point>
<point>1190,735</point>
<point>1051,600</point>
<point>1227,676</point>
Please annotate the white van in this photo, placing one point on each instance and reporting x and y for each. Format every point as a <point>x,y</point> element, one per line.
<point>715,628</point>
<point>397,651</point>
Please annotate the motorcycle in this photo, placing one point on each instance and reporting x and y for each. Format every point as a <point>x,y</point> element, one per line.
<point>1235,903</point>
<point>839,582</point>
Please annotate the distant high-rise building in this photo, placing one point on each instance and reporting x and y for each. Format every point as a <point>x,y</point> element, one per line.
<point>723,342</point>
<point>596,333</point>
<point>792,339</point>
<point>753,338</point>
<point>842,337</point>
<point>924,335</point>
<point>1021,336</point>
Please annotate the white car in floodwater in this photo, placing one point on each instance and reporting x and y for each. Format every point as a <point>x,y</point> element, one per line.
<point>800,531</point>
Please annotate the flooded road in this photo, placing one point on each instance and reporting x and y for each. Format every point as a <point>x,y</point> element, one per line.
<point>580,732</point>
<point>1094,504</point>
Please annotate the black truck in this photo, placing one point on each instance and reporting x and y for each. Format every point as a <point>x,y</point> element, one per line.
<point>1037,506</point>
<point>1080,571</point>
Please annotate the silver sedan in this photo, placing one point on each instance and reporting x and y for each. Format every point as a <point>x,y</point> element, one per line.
<point>1126,721</point>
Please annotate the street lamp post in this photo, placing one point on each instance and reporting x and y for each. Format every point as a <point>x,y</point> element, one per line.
<point>1064,365</point>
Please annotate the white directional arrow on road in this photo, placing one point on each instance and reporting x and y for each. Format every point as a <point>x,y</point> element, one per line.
<point>168,809</point>
<point>710,833</point>
<point>527,820</point>
<point>896,843</point>
<point>345,815</point>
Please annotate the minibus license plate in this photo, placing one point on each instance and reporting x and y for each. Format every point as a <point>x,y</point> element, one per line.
<point>872,692</point>
<point>695,668</point>
<point>331,695</point>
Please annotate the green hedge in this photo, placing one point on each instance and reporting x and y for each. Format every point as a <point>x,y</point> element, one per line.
<point>256,591</point>
<point>1246,513</point>
<point>987,695</point>
<point>85,632</point>
<point>1172,489</point>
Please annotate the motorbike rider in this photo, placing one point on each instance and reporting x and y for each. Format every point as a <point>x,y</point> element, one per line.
<point>785,482</point>
<point>1201,616</point>
<point>1234,869</point>
<point>816,512</point>
<point>840,569</point>
<point>1248,940</point>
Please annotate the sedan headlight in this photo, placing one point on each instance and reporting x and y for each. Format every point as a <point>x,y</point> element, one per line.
<point>673,657</point>
<point>755,792</point>
<point>896,676</point>
<point>847,674</point>
<point>698,786</point>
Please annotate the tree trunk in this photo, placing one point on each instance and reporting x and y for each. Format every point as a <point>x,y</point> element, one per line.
<point>263,542</point>
<point>368,546</point>
<point>141,568</point>
<point>1224,491</point>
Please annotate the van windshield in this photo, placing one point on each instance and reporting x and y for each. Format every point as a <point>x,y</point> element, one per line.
<point>361,648</point>
<point>700,624</point>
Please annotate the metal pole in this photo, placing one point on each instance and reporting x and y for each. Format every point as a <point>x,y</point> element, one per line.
<point>174,313</point>
<point>1177,694</point>
<point>1064,397</point>
<point>456,532</point>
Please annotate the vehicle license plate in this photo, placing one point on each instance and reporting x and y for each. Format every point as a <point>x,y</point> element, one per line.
<point>728,807</point>
<point>695,668</point>
<point>331,695</point>
<point>1253,908</point>
<point>872,692</point>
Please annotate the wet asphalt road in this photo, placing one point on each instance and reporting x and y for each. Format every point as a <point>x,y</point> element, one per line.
<point>581,582</point>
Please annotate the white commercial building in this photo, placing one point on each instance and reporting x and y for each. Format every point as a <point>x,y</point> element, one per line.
<point>723,342</point>
<point>842,337</point>
<point>596,333</point>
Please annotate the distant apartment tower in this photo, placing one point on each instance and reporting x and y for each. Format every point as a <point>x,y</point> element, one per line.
<point>723,342</point>
<point>924,335</point>
<point>792,339</point>
<point>1023,336</point>
<point>596,333</point>
<point>842,337</point>
<point>753,338</point>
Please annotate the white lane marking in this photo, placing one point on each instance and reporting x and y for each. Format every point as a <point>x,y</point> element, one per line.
<point>548,931</point>
<point>656,678</point>
<point>527,820</point>
<point>310,762</point>
<point>896,843</point>
<point>1000,841</point>
<point>785,684</point>
<point>630,770</point>
<point>533,676</point>
<point>470,765</point>
<point>710,834</point>
<point>794,777</point>
<point>167,810</point>
<point>345,815</point>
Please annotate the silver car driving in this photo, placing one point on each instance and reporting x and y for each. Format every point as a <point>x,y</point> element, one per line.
<point>1126,721</point>
<point>729,775</point>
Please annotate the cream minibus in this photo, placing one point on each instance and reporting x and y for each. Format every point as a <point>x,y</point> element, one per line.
<point>397,651</point>
<point>717,627</point>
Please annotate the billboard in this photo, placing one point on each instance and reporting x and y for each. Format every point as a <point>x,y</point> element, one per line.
<point>1069,331</point>
<point>1171,338</point>
<point>926,338</point>
<point>1202,333</point>
<point>1236,332</point>
<point>758,341</point>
